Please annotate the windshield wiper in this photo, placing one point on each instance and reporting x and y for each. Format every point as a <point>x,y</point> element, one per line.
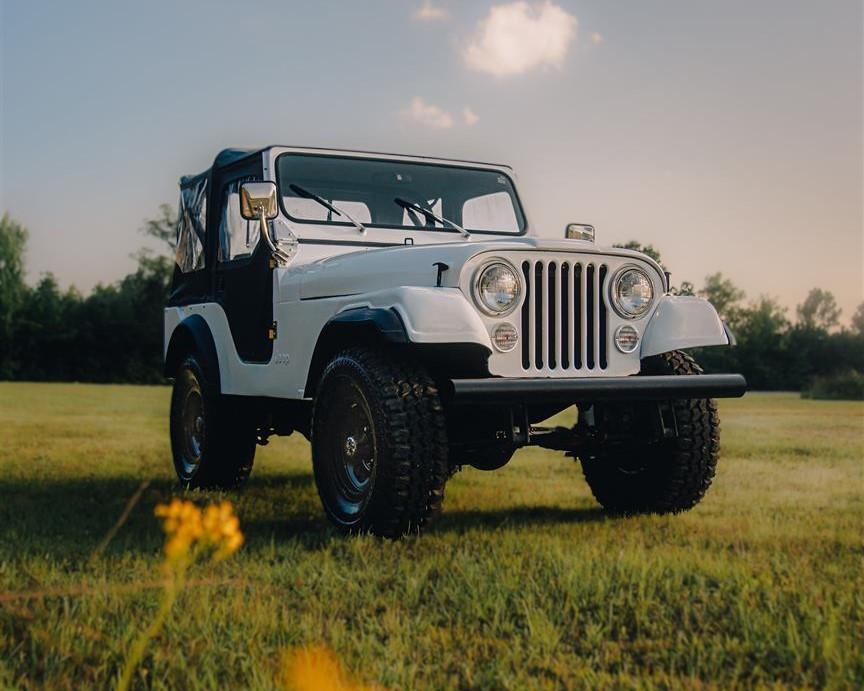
<point>327,205</point>
<point>414,206</point>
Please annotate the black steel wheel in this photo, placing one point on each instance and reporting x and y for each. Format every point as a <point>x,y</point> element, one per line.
<point>190,406</point>
<point>212,440</point>
<point>379,445</point>
<point>349,451</point>
<point>660,475</point>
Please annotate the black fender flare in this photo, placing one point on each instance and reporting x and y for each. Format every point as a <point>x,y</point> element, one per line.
<point>193,335</point>
<point>361,325</point>
<point>385,321</point>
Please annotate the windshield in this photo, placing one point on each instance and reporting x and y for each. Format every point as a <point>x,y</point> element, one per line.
<point>375,192</point>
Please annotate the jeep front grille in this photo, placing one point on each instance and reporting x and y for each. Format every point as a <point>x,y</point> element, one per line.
<point>564,316</point>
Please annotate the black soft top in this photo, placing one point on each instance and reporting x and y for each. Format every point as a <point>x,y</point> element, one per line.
<point>228,156</point>
<point>223,159</point>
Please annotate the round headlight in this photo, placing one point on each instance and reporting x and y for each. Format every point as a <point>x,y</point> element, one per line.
<point>632,293</point>
<point>497,288</point>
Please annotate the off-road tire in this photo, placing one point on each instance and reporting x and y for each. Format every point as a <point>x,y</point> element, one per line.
<point>226,443</point>
<point>406,477</point>
<point>669,476</point>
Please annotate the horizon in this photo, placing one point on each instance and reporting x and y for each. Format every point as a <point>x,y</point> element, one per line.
<point>736,122</point>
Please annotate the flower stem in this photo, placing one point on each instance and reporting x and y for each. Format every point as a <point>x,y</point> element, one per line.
<point>136,652</point>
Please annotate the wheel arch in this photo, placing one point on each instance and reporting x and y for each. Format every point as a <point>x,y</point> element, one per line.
<point>384,327</point>
<point>193,335</point>
<point>358,326</point>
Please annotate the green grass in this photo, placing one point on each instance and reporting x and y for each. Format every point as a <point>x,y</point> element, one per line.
<point>522,583</point>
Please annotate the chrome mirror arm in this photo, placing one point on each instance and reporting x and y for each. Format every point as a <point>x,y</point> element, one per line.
<point>278,254</point>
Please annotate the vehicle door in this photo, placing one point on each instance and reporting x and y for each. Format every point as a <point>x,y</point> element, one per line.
<point>243,277</point>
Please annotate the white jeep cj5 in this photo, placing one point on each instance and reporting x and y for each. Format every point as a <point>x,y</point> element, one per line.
<point>400,313</point>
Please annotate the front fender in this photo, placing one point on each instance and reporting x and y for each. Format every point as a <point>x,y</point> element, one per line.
<point>683,321</point>
<point>405,315</point>
<point>430,315</point>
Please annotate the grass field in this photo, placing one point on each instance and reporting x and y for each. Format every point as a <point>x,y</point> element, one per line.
<point>522,583</point>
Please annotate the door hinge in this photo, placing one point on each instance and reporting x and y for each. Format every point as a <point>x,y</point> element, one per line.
<point>272,331</point>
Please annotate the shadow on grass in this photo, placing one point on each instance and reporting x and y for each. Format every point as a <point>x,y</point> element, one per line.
<point>515,517</point>
<point>68,518</point>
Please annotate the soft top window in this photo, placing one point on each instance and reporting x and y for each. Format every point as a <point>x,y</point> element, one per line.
<point>191,224</point>
<point>480,200</point>
<point>238,237</point>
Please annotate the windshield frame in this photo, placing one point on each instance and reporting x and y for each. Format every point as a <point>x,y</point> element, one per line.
<point>518,208</point>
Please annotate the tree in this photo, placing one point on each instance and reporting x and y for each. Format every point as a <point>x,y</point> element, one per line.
<point>112,335</point>
<point>858,320</point>
<point>650,250</point>
<point>686,288</point>
<point>47,332</point>
<point>762,354</point>
<point>724,295</point>
<point>163,227</point>
<point>819,311</point>
<point>13,242</point>
<point>763,318</point>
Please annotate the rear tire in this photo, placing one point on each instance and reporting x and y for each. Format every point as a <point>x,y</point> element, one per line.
<point>379,444</point>
<point>667,476</point>
<point>212,439</point>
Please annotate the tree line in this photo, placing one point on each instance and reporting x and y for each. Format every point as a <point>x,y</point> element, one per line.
<point>114,334</point>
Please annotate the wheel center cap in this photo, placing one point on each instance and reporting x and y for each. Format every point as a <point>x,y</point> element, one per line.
<point>350,447</point>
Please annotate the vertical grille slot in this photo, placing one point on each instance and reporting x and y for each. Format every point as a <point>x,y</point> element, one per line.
<point>554,316</point>
<point>564,318</point>
<point>602,321</point>
<point>539,316</point>
<point>578,315</point>
<point>589,309</point>
<point>527,326</point>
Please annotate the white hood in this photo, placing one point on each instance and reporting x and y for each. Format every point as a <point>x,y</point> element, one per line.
<point>379,268</point>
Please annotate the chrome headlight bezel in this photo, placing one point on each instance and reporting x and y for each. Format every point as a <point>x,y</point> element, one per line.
<point>614,297</point>
<point>476,294</point>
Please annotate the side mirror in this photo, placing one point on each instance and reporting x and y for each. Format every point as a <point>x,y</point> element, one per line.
<point>258,201</point>
<point>579,231</point>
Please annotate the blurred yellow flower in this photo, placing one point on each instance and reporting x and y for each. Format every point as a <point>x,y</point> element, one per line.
<point>189,533</point>
<point>189,528</point>
<point>316,668</point>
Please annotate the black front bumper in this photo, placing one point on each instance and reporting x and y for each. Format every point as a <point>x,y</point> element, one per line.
<point>496,391</point>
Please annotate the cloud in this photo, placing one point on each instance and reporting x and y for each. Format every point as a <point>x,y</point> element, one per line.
<point>427,114</point>
<point>431,13</point>
<point>518,37</point>
<point>470,117</point>
<point>596,39</point>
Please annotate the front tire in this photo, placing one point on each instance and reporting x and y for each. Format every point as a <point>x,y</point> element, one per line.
<point>212,440</point>
<point>664,476</point>
<point>379,444</point>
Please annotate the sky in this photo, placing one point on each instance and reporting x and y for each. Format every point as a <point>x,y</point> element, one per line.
<point>726,134</point>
